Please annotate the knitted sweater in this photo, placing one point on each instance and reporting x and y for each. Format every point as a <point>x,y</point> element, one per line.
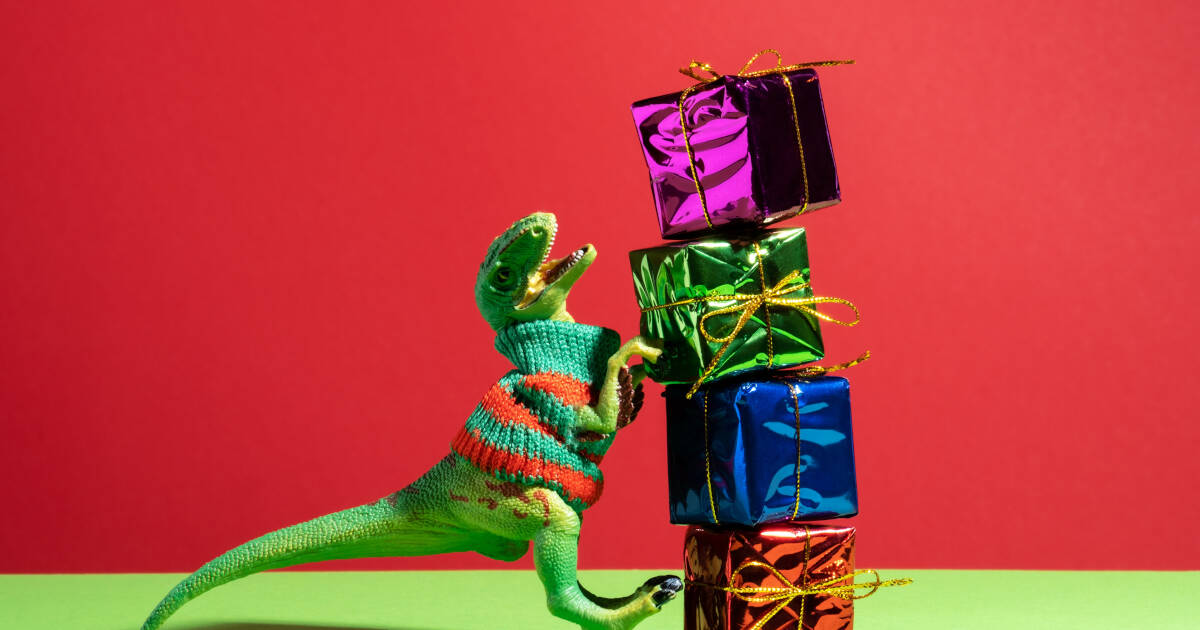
<point>524,428</point>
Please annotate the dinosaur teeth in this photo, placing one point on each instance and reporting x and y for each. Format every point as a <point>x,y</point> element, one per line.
<point>547,273</point>
<point>561,267</point>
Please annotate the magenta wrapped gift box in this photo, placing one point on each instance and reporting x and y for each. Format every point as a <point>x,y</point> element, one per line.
<point>742,132</point>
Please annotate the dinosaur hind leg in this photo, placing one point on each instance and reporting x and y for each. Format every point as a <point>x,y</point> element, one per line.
<point>556,556</point>
<point>541,515</point>
<point>505,516</point>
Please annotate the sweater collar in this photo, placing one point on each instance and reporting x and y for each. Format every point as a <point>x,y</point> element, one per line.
<point>543,345</point>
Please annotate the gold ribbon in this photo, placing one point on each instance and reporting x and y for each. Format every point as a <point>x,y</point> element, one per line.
<point>693,70</point>
<point>712,502</point>
<point>749,303</point>
<point>783,595</point>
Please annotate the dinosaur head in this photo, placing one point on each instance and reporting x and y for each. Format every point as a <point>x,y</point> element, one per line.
<point>519,282</point>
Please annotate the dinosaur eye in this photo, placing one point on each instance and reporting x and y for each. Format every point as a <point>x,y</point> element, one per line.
<point>503,275</point>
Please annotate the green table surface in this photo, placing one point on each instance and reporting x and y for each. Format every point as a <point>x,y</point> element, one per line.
<point>424,600</point>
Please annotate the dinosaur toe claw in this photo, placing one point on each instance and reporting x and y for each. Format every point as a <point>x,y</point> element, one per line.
<point>665,588</point>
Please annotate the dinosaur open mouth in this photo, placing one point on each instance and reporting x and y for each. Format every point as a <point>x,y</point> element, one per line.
<point>554,269</point>
<point>549,272</point>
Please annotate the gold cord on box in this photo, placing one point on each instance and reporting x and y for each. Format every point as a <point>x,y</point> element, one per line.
<point>784,595</point>
<point>747,304</point>
<point>693,70</point>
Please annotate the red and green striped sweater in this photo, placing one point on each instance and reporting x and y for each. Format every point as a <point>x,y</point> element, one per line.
<point>524,428</point>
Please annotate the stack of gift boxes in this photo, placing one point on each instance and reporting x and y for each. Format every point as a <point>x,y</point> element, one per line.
<point>759,439</point>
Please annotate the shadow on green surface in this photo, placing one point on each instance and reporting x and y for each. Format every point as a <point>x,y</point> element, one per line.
<point>286,626</point>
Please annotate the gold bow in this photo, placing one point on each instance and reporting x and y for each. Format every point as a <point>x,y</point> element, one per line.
<point>789,591</point>
<point>749,303</point>
<point>695,67</point>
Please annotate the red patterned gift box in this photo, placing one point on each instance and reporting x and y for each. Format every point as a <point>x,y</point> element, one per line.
<point>792,576</point>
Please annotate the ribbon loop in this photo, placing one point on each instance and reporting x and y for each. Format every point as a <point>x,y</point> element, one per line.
<point>779,68</point>
<point>778,60</point>
<point>747,304</point>
<point>821,370</point>
<point>692,71</point>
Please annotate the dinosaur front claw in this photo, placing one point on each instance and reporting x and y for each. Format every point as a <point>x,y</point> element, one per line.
<point>639,346</point>
<point>651,353</point>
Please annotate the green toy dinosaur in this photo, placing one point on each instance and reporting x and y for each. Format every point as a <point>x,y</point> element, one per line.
<point>522,469</point>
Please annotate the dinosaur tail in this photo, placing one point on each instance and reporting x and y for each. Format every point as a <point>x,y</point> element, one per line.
<point>372,530</point>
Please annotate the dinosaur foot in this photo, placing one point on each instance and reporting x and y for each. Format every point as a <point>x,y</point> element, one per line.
<point>662,589</point>
<point>647,600</point>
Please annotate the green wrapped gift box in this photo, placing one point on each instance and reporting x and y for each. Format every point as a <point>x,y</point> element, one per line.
<point>725,306</point>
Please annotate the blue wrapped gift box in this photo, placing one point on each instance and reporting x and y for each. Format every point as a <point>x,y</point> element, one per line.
<point>762,450</point>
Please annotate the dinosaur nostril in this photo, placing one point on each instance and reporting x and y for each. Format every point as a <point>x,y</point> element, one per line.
<point>537,232</point>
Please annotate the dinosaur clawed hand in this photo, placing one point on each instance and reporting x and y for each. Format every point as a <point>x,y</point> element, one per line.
<point>631,398</point>
<point>638,346</point>
<point>621,396</point>
<point>647,349</point>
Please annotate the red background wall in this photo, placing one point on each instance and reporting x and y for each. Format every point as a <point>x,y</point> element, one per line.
<point>216,221</point>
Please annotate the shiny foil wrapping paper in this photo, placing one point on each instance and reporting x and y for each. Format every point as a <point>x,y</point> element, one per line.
<point>761,450</point>
<point>773,337</point>
<point>802,554</point>
<point>743,137</point>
